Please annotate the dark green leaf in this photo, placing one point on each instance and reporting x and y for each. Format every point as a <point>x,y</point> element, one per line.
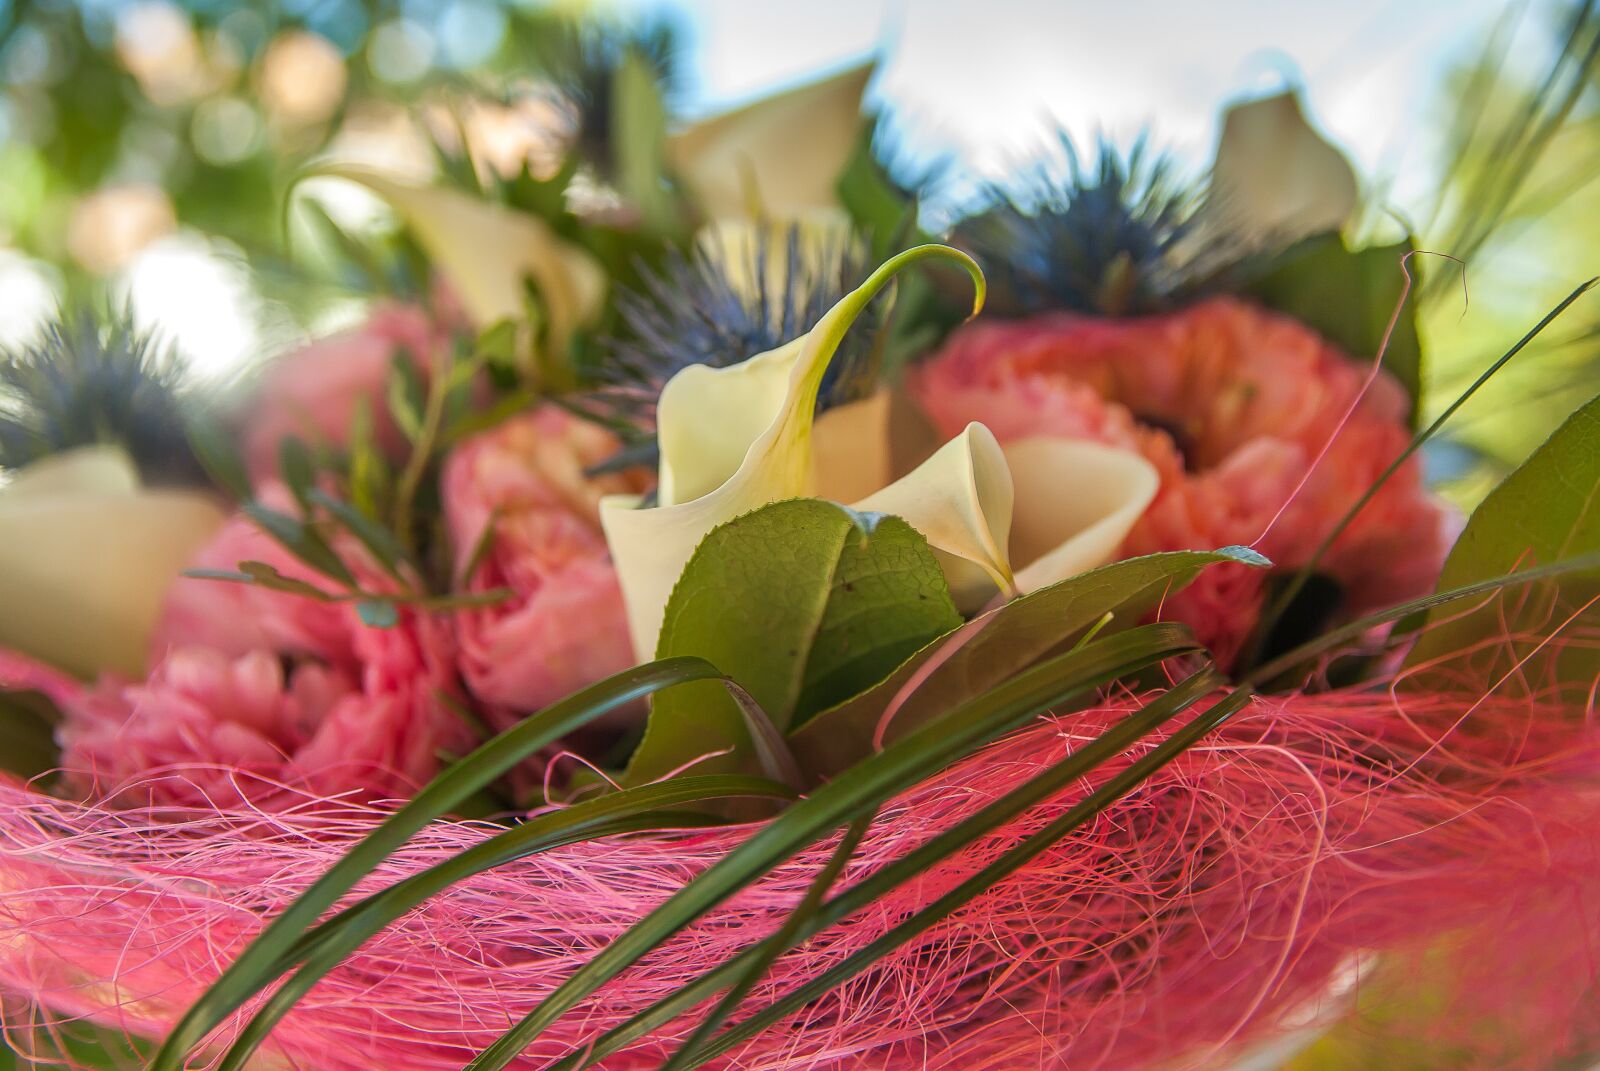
<point>874,205</point>
<point>640,142</point>
<point>298,471</point>
<point>406,394</point>
<point>27,733</point>
<point>370,479</point>
<point>218,455</point>
<point>381,542</point>
<point>1349,297</point>
<point>1545,512</point>
<point>301,540</point>
<point>801,608</point>
<point>263,575</point>
<point>1001,642</point>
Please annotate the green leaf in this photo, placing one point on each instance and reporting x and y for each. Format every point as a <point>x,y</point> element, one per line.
<point>1545,512</point>
<point>1002,642</point>
<point>382,543</point>
<point>218,455</point>
<point>370,478</point>
<point>1349,297</point>
<point>255,967</point>
<point>301,540</point>
<point>264,575</point>
<point>801,607</point>
<point>407,397</point>
<point>875,206</point>
<point>639,139</point>
<point>297,469</point>
<point>27,733</point>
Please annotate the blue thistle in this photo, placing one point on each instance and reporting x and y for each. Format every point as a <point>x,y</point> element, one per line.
<point>82,382</point>
<point>1108,239</point>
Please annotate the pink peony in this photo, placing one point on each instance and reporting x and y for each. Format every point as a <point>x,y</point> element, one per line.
<point>312,393</point>
<point>1232,404</point>
<point>564,625</point>
<point>256,692</point>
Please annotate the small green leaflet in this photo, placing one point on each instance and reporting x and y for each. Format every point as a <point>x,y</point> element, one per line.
<point>1547,511</point>
<point>1349,297</point>
<point>1003,642</point>
<point>27,733</point>
<point>802,603</point>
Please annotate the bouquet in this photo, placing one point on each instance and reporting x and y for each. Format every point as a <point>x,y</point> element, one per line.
<point>703,621</point>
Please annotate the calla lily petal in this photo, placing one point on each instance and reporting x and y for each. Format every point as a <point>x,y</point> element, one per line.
<point>732,439</point>
<point>1275,176</point>
<point>1075,504</point>
<point>86,557</point>
<point>961,500</point>
<point>486,250</point>
<point>779,157</point>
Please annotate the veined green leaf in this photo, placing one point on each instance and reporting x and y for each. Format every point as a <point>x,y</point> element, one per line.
<point>800,605</point>
<point>1001,642</point>
<point>1547,511</point>
<point>628,811</point>
<point>1082,761</point>
<point>1349,296</point>
<point>256,966</point>
<point>854,793</point>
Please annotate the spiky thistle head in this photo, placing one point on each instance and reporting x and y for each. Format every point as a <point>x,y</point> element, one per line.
<point>588,56</point>
<point>731,298</point>
<point>1110,237</point>
<point>83,381</point>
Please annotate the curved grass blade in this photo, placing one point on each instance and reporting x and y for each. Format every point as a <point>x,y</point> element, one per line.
<point>858,790</point>
<point>255,966</point>
<point>1353,629</point>
<point>629,811</point>
<point>1303,575</point>
<point>1009,863</point>
<point>768,951</point>
<point>1081,762</point>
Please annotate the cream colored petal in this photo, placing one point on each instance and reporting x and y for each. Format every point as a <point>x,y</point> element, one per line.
<point>87,470</point>
<point>961,500</point>
<point>84,567</point>
<point>779,157</point>
<point>732,440</point>
<point>1275,176</point>
<point>851,454</point>
<point>1075,504</point>
<point>486,250</point>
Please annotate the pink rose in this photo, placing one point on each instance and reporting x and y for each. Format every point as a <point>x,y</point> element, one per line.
<point>311,394</point>
<point>564,625</point>
<point>257,692</point>
<point>1232,404</point>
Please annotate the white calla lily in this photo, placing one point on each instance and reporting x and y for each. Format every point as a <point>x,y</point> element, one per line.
<point>779,157</point>
<point>87,555</point>
<point>486,251</point>
<point>1274,177</point>
<point>736,438</point>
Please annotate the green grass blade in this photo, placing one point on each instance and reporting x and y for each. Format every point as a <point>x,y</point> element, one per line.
<point>854,792</point>
<point>255,966</point>
<point>1303,575</point>
<point>1081,762</point>
<point>1353,629</point>
<point>1009,863</point>
<point>629,811</point>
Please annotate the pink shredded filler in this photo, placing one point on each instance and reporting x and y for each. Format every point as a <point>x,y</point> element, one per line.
<point>1226,902</point>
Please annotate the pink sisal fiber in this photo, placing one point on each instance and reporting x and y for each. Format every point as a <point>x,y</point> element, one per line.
<point>1207,909</point>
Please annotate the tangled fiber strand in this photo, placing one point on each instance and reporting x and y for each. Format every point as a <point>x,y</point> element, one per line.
<point>1217,904</point>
